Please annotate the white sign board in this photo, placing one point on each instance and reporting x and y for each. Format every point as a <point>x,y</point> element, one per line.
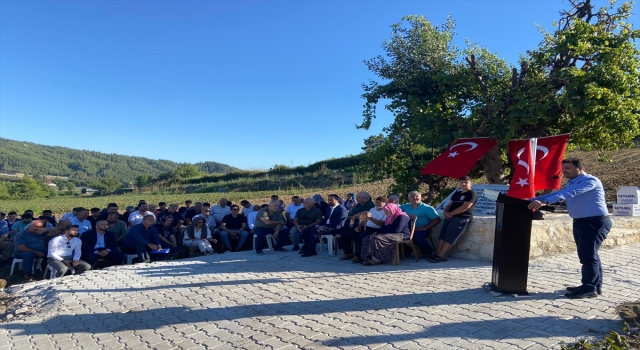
<point>626,210</point>
<point>486,205</point>
<point>628,195</point>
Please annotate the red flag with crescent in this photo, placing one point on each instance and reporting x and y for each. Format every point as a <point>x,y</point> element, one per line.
<point>548,159</point>
<point>458,159</point>
<point>522,183</point>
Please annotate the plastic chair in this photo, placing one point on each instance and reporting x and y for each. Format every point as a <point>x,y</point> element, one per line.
<point>331,243</point>
<point>36,262</point>
<point>52,272</point>
<point>270,241</point>
<point>130,257</point>
<point>399,253</point>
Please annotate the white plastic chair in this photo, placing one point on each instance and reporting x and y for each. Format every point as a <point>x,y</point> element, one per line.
<point>331,242</point>
<point>270,241</point>
<point>36,262</point>
<point>130,257</point>
<point>52,272</point>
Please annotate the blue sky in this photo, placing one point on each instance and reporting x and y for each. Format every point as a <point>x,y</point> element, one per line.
<point>247,83</point>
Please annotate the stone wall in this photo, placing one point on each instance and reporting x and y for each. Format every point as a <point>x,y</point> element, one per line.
<point>548,236</point>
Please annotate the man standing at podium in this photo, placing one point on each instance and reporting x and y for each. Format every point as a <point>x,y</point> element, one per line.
<point>585,200</point>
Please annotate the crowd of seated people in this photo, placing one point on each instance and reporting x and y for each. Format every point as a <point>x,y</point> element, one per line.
<point>366,230</point>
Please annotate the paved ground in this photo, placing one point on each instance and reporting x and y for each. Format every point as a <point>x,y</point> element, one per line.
<point>279,300</point>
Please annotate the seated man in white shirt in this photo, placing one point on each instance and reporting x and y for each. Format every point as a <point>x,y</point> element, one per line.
<point>292,209</point>
<point>220,210</point>
<point>251,217</point>
<point>80,219</point>
<point>64,253</point>
<point>70,214</point>
<point>135,218</point>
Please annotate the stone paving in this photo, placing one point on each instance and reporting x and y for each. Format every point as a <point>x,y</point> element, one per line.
<point>282,301</point>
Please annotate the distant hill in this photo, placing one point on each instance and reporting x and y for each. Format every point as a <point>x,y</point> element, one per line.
<point>83,166</point>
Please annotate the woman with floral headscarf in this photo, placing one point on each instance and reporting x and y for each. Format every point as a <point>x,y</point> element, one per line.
<point>197,234</point>
<point>379,247</point>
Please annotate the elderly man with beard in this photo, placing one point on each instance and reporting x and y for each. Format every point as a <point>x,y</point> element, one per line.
<point>100,243</point>
<point>374,221</point>
<point>65,251</point>
<point>348,235</point>
<point>307,216</point>
<point>270,221</point>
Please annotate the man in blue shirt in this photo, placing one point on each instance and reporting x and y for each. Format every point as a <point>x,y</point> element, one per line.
<point>28,245</point>
<point>584,196</point>
<point>426,218</point>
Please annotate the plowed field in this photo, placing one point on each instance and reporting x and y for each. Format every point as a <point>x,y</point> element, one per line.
<point>623,170</point>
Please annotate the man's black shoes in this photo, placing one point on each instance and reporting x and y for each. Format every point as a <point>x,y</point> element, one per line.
<point>575,289</point>
<point>308,254</point>
<point>580,294</point>
<point>279,250</point>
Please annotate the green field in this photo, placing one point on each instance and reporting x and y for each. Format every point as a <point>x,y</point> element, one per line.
<point>64,204</point>
<point>61,205</point>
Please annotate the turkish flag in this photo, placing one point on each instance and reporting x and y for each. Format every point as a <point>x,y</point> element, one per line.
<point>458,159</point>
<point>522,184</point>
<point>548,161</point>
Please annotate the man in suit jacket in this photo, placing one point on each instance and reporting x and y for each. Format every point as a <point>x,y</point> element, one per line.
<point>99,243</point>
<point>332,223</point>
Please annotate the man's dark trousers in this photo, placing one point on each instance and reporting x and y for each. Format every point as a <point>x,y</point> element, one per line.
<point>349,235</point>
<point>114,257</point>
<point>421,239</point>
<point>589,235</point>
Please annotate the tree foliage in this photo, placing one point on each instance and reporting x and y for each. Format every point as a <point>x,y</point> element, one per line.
<point>583,78</point>
<point>186,171</point>
<point>29,188</point>
<point>107,185</point>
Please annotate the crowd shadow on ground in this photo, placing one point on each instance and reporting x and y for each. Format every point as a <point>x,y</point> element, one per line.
<point>277,262</point>
<point>153,318</point>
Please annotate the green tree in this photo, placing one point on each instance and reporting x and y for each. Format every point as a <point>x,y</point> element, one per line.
<point>186,171</point>
<point>28,188</point>
<point>583,78</point>
<point>4,190</point>
<point>143,180</point>
<point>107,185</point>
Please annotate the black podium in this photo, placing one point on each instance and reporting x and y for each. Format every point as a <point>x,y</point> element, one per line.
<point>511,245</point>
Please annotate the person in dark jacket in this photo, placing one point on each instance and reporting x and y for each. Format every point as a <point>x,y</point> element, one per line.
<point>142,238</point>
<point>99,243</point>
<point>380,247</point>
